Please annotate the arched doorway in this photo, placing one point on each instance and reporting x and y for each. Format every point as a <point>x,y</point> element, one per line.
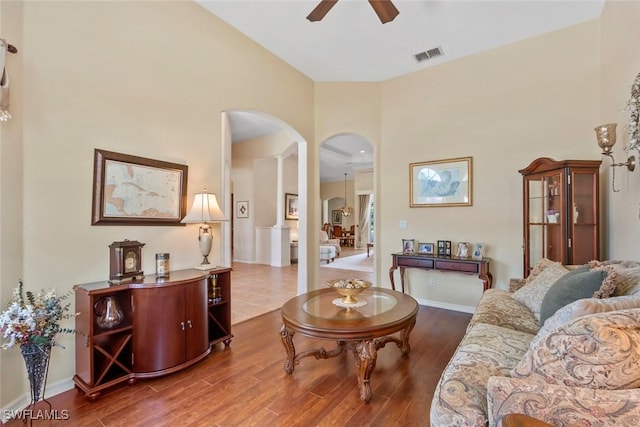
<point>243,125</point>
<point>347,182</point>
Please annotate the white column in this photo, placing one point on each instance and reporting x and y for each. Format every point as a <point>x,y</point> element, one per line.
<point>280,192</point>
<point>280,240</point>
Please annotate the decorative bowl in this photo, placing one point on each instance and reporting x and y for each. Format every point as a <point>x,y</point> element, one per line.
<point>349,288</point>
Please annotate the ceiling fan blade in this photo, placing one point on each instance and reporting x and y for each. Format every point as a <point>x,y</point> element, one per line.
<point>321,10</point>
<point>385,10</point>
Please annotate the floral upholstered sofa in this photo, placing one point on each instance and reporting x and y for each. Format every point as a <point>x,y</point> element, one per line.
<point>562,346</point>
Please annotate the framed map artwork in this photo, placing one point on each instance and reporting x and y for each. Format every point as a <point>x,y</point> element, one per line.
<point>131,190</point>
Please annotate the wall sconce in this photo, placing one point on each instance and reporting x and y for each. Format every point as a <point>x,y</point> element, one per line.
<point>606,140</point>
<point>4,80</point>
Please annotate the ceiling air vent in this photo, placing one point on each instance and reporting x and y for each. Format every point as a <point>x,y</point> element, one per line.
<point>423,56</point>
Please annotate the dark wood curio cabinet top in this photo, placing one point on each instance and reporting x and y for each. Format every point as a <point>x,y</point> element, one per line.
<point>561,214</point>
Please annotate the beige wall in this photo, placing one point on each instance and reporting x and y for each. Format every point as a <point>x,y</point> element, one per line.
<point>151,79</point>
<point>620,66</point>
<point>143,78</point>
<point>11,195</point>
<point>503,107</point>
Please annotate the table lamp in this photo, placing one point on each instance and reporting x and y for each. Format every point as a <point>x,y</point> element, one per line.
<point>205,210</point>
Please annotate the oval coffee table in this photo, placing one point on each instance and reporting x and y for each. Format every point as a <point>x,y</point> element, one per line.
<point>363,327</point>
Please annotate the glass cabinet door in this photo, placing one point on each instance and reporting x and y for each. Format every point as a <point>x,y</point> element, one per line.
<point>546,218</point>
<point>583,243</point>
<point>535,226</point>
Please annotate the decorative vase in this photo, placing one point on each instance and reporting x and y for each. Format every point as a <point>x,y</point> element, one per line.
<point>36,358</point>
<point>108,312</point>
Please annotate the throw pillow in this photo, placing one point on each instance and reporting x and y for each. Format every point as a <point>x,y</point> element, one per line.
<point>627,280</point>
<point>576,284</point>
<point>533,292</point>
<point>600,351</point>
<point>584,307</point>
<point>538,268</point>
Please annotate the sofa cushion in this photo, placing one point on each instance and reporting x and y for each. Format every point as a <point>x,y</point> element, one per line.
<point>497,307</point>
<point>561,405</point>
<point>486,350</point>
<point>533,292</point>
<point>576,284</point>
<point>595,351</point>
<point>538,268</point>
<point>584,307</point>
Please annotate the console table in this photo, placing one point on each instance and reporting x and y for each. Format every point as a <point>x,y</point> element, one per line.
<point>448,264</point>
<point>165,324</point>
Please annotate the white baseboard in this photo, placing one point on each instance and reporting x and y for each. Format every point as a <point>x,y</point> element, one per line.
<point>23,401</point>
<point>446,306</point>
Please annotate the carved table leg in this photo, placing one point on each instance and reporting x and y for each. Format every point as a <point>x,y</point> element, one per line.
<point>286,336</point>
<point>366,355</point>
<point>393,282</point>
<point>404,337</point>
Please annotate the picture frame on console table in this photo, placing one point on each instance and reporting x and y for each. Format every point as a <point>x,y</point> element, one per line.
<point>441,183</point>
<point>132,190</point>
<point>478,251</point>
<point>425,248</point>
<point>408,246</point>
<point>462,250</point>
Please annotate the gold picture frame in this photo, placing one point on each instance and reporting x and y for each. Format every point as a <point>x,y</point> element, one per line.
<point>441,183</point>
<point>132,190</point>
<point>290,206</point>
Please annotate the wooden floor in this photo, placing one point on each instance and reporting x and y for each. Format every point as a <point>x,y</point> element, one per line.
<point>245,384</point>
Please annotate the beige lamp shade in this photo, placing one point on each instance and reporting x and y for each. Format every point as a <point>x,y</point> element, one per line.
<point>205,209</point>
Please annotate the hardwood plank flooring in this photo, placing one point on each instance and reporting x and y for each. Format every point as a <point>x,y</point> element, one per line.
<point>245,384</point>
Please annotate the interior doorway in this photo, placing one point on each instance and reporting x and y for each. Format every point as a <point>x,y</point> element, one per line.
<point>275,139</point>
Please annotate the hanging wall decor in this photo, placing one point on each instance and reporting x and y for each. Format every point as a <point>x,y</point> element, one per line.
<point>4,80</point>
<point>634,115</point>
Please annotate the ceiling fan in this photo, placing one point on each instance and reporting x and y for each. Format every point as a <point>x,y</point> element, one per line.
<point>385,10</point>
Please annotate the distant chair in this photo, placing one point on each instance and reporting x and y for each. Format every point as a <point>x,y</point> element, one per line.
<point>337,232</point>
<point>326,241</point>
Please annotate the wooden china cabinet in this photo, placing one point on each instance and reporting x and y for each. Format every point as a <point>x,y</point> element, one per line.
<point>561,211</point>
<point>158,326</point>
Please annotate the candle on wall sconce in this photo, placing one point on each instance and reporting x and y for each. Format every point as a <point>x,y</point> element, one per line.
<point>606,135</point>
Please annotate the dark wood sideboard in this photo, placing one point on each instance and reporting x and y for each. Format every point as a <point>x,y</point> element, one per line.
<point>479,267</point>
<point>168,324</point>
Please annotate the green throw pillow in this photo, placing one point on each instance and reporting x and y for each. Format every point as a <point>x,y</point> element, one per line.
<point>576,284</point>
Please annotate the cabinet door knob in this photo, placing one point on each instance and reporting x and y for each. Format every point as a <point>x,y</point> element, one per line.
<point>182,325</point>
<point>189,324</point>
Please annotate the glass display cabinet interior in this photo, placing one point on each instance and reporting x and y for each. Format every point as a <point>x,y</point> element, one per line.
<point>561,211</point>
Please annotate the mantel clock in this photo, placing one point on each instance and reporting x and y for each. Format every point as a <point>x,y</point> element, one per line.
<point>125,260</point>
